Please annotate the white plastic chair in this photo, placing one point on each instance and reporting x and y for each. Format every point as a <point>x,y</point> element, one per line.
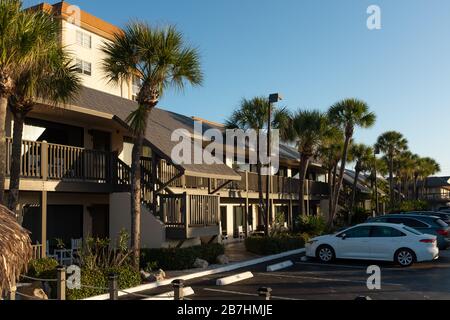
<point>64,256</point>
<point>241,233</point>
<point>76,244</point>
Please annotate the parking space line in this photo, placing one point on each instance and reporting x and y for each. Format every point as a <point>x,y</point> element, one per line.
<point>323,279</point>
<point>246,294</point>
<point>331,265</point>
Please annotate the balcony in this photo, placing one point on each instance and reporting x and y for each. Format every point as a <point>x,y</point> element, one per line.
<point>438,197</point>
<point>190,216</point>
<point>279,185</point>
<point>47,161</point>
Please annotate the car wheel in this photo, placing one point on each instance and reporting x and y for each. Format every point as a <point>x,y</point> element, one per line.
<point>405,257</point>
<point>325,253</point>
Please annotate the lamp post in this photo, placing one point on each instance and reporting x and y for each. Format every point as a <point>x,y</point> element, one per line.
<point>273,98</point>
<point>376,152</point>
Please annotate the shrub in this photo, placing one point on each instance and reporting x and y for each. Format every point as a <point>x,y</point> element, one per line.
<point>44,268</point>
<point>411,205</point>
<point>93,280</point>
<point>180,258</point>
<point>312,225</point>
<point>274,245</point>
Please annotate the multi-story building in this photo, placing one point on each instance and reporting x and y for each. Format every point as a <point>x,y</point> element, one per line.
<point>436,190</point>
<point>76,164</point>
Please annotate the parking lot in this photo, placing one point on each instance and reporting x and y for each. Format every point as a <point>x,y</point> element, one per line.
<point>341,280</point>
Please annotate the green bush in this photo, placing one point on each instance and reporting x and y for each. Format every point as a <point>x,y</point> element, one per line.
<point>274,245</point>
<point>42,268</point>
<point>313,225</point>
<point>96,279</point>
<point>180,258</point>
<point>411,205</point>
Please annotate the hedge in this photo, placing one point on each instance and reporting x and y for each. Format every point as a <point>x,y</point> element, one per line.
<point>127,278</point>
<point>274,245</point>
<point>180,258</point>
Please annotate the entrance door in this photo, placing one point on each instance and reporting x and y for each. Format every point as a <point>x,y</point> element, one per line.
<point>223,220</point>
<point>101,141</point>
<point>100,221</point>
<point>238,220</point>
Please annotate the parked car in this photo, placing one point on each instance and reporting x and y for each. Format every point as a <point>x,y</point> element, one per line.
<point>375,241</point>
<point>426,224</point>
<point>444,216</point>
<point>444,209</point>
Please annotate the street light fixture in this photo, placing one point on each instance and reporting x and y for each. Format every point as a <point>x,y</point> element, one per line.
<point>273,98</point>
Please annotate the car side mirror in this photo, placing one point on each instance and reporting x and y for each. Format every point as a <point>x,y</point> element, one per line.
<point>343,236</point>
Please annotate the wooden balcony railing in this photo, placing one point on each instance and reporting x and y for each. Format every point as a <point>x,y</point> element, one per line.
<point>47,161</point>
<point>188,216</point>
<point>442,196</point>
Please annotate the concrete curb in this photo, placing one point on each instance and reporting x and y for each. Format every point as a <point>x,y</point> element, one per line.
<point>280,266</point>
<point>188,291</point>
<point>234,278</point>
<point>230,267</point>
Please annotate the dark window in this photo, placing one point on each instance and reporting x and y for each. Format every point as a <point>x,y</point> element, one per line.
<point>386,232</point>
<point>358,232</point>
<point>412,223</point>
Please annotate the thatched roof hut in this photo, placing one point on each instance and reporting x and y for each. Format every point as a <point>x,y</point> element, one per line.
<point>15,250</point>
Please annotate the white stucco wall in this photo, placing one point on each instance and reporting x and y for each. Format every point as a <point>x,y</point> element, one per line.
<point>93,55</point>
<point>153,233</point>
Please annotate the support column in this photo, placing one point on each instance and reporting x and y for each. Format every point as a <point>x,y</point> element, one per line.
<point>246,204</point>
<point>290,215</point>
<point>44,223</point>
<point>307,198</point>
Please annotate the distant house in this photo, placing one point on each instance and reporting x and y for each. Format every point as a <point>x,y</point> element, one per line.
<point>437,192</point>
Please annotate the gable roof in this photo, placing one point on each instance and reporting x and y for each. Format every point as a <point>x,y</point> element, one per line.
<point>436,182</point>
<point>160,126</point>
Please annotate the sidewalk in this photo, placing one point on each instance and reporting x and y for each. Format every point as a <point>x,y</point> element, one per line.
<point>234,251</point>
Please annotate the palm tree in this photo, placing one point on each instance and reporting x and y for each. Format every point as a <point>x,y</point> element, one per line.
<point>51,78</point>
<point>330,153</point>
<point>428,167</point>
<point>391,143</point>
<point>25,35</point>
<point>363,156</point>
<point>347,115</point>
<point>161,60</point>
<point>310,130</point>
<point>252,114</point>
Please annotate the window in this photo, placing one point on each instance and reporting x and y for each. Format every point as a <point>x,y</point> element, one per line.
<point>412,223</point>
<point>386,232</point>
<point>84,67</point>
<point>358,232</point>
<point>84,40</point>
<point>414,231</point>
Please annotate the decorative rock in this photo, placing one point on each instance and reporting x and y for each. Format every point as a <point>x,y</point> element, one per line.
<point>144,275</point>
<point>200,263</point>
<point>156,276</point>
<point>34,290</point>
<point>223,259</point>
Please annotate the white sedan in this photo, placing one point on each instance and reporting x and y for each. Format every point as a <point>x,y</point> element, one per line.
<point>375,241</point>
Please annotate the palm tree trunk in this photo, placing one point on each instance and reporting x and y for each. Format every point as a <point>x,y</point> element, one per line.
<point>303,169</point>
<point>260,187</point>
<point>416,189</point>
<point>331,204</point>
<point>391,182</point>
<point>3,110</point>
<point>15,161</point>
<point>330,187</point>
<point>136,195</point>
<point>338,186</point>
<point>352,203</point>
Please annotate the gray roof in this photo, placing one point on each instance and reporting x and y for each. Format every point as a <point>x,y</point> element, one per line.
<point>349,177</point>
<point>438,182</point>
<point>159,129</point>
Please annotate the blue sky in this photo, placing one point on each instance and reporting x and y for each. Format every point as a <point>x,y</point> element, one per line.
<point>314,53</point>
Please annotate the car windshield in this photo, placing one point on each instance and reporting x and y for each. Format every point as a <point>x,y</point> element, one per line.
<point>441,223</point>
<point>414,231</point>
